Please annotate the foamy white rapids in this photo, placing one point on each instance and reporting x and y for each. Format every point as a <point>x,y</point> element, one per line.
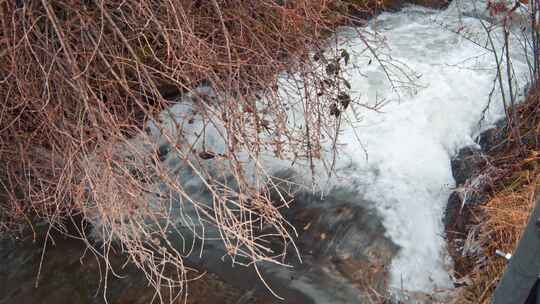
<point>410,144</point>
<point>428,117</point>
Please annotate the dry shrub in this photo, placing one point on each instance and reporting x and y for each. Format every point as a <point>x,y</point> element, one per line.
<point>82,80</point>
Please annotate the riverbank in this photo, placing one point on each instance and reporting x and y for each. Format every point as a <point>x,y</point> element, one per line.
<point>497,185</point>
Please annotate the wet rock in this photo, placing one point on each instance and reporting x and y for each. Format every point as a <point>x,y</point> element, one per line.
<point>470,190</point>
<point>395,5</point>
<point>452,219</point>
<point>465,168</point>
<point>493,138</point>
<point>457,216</point>
<point>364,11</point>
<point>339,225</point>
<point>436,4</point>
<point>345,253</point>
<point>466,164</point>
<point>343,242</point>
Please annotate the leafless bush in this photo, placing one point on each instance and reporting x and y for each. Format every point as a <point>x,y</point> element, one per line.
<point>83,84</point>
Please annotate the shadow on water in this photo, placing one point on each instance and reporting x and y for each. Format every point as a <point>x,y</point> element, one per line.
<point>346,259</point>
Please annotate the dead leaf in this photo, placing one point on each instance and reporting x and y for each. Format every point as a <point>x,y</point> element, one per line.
<point>207,154</point>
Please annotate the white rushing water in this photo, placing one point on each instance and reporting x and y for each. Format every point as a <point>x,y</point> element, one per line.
<point>411,143</point>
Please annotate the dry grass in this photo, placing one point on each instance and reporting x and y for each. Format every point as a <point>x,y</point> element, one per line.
<point>502,218</point>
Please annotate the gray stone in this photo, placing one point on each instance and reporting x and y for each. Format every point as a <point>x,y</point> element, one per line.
<point>466,164</point>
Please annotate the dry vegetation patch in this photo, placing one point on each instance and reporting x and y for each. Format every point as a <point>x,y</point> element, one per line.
<point>497,223</point>
<point>80,80</point>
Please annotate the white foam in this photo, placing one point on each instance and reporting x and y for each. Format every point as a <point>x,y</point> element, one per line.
<point>410,145</point>
<point>407,171</point>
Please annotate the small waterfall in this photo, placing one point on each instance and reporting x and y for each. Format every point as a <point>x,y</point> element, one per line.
<point>393,178</point>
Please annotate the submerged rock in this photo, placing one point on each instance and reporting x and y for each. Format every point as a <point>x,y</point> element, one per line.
<point>345,254</point>
<point>343,244</point>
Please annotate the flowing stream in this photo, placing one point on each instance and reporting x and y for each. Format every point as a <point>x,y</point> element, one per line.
<point>388,207</point>
<point>435,75</point>
<point>410,144</point>
<point>406,174</point>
